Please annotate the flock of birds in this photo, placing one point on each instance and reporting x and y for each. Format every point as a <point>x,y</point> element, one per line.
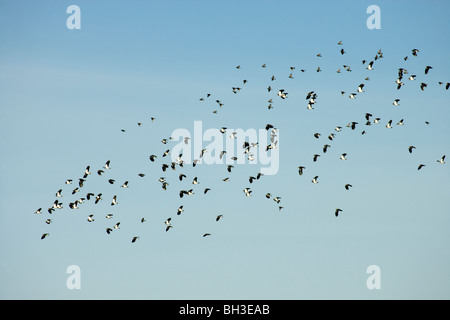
<point>311,97</point>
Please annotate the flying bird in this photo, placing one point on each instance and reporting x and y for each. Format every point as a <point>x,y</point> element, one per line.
<point>134,239</point>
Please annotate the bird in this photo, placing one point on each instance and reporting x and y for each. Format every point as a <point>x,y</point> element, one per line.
<point>87,172</point>
<point>410,149</point>
<point>206,190</point>
<point>420,166</point>
<point>98,198</point>
<point>206,235</point>
<point>348,186</point>
<point>423,85</point>
<point>336,212</point>
<point>220,216</point>
<point>180,210</point>
<point>315,157</point>
<point>195,181</point>
<point>109,230</point>
<point>134,239</point>
<point>396,102</point>
<point>116,226</point>
<point>152,157</point>
<point>369,67</point>
<point>428,68</point>
<point>389,124</point>
<point>414,52</point>
<point>114,200</point>
<point>442,159</point>
<point>168,227</point>
<point>106,166</point>
<point>124,185</point>
<point>90,218</point>
<point>58,194</point>
<point>300,170</point>
<point>247,192</point>
<point>360,88</point>
<point>325,148</point>
<point>315,179</point>
<point>343,156</point>
<point>282,94</point>
<point>44,235</point>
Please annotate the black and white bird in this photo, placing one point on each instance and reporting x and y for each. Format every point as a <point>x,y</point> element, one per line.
<point>98,198</point>
<point>396,102</point>
<point>410,149</point>
<point>343,156</point>
<point>247,192</point>
<point>124,185</point>
<point>360,88</point>
<point>315,179</point>
<point>90,218</point>
<point>114,200</point>
<point>442,159</point>
<point>106,166</point>
<point>180,210</point>
<point>87,172</point>
<point>282,94</point>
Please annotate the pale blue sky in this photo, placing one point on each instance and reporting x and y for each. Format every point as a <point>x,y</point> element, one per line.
<point>66,94</point>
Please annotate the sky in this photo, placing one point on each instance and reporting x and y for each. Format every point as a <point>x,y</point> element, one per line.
<point>67,94</point>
